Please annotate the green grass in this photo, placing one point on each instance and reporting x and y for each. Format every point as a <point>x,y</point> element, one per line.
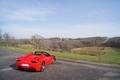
<point>2,47</point>
<point>90,50</point>
<point>75,56</point>
<point>111,55</point>
<point>21,49</point>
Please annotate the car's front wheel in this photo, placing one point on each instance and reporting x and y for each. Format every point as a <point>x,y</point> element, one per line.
<point>54,59</point>
<point>42,67</point>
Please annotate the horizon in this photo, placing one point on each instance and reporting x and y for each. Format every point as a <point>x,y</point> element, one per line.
<point>73,38</point>
<point>64,18</point>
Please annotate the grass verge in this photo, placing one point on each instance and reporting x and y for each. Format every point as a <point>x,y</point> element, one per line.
<point>112,55</point>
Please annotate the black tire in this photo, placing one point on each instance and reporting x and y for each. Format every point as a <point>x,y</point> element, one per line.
<point>42,67</point>
<point>19,68</point>
<point>54,59</point>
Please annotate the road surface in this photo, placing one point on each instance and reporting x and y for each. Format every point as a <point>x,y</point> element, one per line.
<point>62,70</point>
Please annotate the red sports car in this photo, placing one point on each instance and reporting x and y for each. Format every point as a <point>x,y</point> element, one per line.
<point>36,61</point>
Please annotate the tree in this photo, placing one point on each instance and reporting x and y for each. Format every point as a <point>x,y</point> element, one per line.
<point>7,38</point>
<point>36,40</point>
<point>14,42</point>
<point>113,42</point>
<point>0,36</point>
<point>47,44</point>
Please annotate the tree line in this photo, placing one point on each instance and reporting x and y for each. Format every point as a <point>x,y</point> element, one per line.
<point>7,40</point>
<point>58,44</point>
<point>113,42</point>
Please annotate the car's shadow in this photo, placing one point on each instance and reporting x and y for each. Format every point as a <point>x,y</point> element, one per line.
<point>13,66</point>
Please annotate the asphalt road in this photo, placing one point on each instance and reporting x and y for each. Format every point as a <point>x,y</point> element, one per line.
<point>61,70</point>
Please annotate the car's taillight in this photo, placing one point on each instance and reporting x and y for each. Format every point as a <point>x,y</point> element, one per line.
<point>18,60</point>
<point>34,61</point>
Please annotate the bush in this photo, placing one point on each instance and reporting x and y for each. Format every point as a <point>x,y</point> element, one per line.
<point>26,46</point>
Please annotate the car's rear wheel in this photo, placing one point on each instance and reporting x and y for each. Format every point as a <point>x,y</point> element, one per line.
<point>42,67</point>
<point>20,68</point>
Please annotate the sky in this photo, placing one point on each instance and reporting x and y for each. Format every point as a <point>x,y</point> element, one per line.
<point>60,18</point>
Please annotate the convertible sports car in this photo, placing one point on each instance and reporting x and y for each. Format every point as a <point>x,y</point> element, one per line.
<point>36,61</point>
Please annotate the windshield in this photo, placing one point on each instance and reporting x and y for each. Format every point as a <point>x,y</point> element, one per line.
<point>38,53</point>
<point>41,52</point>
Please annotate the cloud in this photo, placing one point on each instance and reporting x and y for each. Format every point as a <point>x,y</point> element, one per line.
<point>24,18</point>
<point>24,12</point>
<point>29,14</point>
<point>96,13</point>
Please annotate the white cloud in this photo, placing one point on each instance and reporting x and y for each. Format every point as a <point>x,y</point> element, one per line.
<point>95,13</point>
<point>29,14</point>
<point>24,12</point>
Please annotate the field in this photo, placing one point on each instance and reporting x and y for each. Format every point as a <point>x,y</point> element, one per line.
<point>94,54</point>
